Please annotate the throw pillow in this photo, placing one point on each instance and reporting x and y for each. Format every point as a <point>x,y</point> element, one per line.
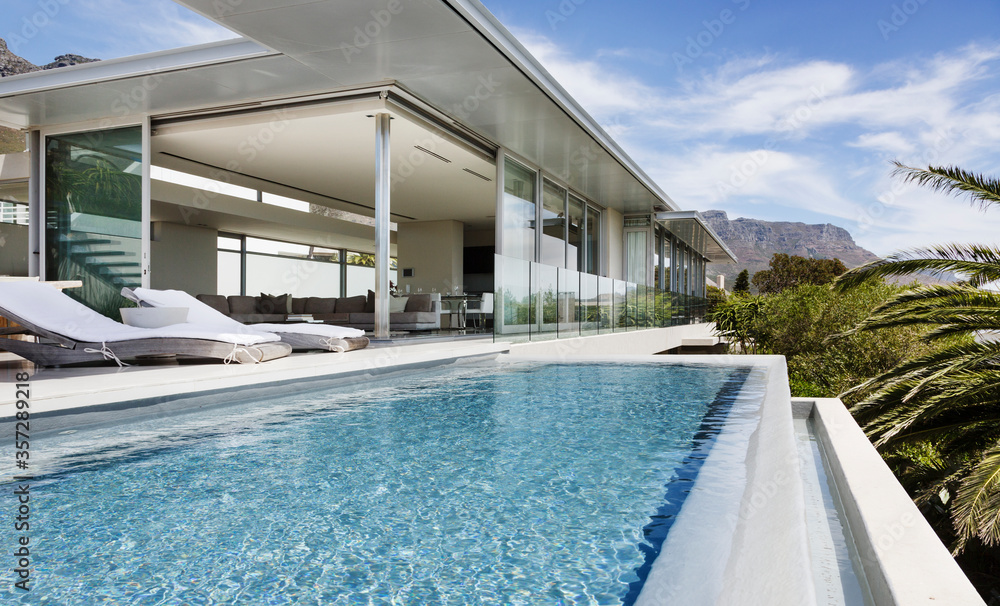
<point>351,305</point>
<point>270,304</point>
<point>397,304</point>
<point>420,302</point>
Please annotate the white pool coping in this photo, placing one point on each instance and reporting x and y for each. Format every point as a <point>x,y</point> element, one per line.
<point>63,398</point>
<point>904,562</point>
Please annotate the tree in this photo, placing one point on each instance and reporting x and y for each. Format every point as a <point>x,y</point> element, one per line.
<point>736,320</point>
<point>787,271</point>
<point>797,322</point>
<point>742,285</point>
<point>936,417</point>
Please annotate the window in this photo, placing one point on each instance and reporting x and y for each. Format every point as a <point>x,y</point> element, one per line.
<point>553,225</point>
<point>593,236</point>
<point>518,211</point>
<point>14,202</point>
<point>575,233</point>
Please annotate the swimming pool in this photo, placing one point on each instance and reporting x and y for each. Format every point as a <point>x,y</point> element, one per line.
<point>519,483</point>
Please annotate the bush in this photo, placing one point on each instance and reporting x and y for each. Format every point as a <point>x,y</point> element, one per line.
<point>801,323</point>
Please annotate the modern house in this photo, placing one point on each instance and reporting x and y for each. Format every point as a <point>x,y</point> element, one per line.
<point>337,147</point>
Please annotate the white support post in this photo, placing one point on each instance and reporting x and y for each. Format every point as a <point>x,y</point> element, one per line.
<point>147,159</point>
<point>36,227</point>
<point>382,202</point>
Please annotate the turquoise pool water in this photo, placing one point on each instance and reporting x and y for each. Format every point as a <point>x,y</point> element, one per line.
<point>509,484</point>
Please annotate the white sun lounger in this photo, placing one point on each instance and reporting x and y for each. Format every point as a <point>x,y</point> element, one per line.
<point>300,336</point>
<point>82,335</point>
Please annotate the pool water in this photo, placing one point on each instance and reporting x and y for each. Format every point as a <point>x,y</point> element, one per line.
<point>507,484</point>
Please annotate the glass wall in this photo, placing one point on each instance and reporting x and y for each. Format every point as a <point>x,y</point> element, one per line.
<point>230,278</point>
<point>518,211</point>
<point>576,233</point>
<point>361,273</point>
<point>538,302</point>
<point>14,236</point>
<point>14,202</point>
<point>277,268</point>
<point>636,257</point>
<point>252,266</point>
<point>593,237</point>
<point>553,225</point>
<point>93,214</point>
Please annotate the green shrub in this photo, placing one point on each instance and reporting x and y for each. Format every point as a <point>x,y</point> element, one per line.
<point>801,323</point>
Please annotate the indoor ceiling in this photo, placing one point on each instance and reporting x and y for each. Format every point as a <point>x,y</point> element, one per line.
<point>326,156</point>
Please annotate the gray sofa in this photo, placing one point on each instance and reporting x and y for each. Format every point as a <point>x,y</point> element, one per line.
<point>422,311</point>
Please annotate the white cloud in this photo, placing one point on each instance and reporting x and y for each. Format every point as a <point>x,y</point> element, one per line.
<point>892,142</point>
<point>148,26</point>
<point>600,91</point>
<point>827,128</point>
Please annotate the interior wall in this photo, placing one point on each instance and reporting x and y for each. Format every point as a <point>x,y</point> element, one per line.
<point>13,249</point>
<point>433,249</point>
<point>184,257</point>
<point>614,234</point>
<point>480,237</point>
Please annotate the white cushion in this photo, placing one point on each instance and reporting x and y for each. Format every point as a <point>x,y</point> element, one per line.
<point>397,304</point>
<point>48,308</point>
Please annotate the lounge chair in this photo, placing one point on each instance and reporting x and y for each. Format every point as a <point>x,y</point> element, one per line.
<point>82,335</point>
<point>301,336</point>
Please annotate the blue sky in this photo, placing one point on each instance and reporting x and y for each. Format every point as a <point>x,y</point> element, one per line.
<point>773,110</point>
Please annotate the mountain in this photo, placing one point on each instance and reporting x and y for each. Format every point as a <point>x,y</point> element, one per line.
<point>12,141</point>
<point>754,242</point>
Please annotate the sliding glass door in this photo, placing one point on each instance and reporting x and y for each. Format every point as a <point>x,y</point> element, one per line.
<point>93,213</point>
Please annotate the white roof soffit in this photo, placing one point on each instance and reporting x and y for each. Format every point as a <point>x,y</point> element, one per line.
<point>690,227</point>
<point>451,53</point>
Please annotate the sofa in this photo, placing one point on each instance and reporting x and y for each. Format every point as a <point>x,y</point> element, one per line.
<point>415,312</point>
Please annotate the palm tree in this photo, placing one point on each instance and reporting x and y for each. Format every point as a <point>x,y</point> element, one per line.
<point>940,412</point>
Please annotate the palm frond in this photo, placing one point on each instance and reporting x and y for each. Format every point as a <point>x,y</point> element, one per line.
<point>979,264</point>
<point>952,180</point>
<point>976,510</point>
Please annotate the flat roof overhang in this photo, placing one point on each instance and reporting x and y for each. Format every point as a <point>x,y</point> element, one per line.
<point>690,227</point>
<point>452,54</point>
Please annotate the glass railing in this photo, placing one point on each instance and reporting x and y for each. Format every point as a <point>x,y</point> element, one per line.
<point>536,302</point>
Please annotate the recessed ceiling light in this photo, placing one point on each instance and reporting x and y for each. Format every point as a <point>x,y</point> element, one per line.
<point>472,172</point>
<point>430,153</point>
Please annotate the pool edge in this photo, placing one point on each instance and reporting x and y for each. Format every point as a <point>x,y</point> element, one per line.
<point>902,558</point>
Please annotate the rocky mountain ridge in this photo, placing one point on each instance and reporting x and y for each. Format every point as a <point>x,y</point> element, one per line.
<point>12,141</point>
<point>13,65</point>
<point>754,242</point>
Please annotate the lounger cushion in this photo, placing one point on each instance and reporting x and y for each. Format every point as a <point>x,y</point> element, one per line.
<point>299,305</point>
<point>216,302</point>
<point>198,313</point>
<point>320,305</point>
<point>419,303</point>
<point>370,303</point>
<point>242,305</point>
<point>49,309</point>
<point>348,305</point>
